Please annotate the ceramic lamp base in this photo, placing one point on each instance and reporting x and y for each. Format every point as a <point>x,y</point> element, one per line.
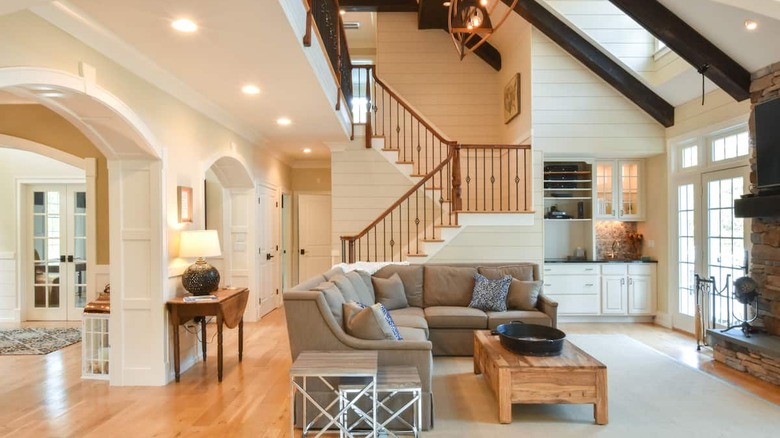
<point>200,278</point>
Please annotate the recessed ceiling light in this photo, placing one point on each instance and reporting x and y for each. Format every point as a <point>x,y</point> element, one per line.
<point>446,4</point>
<point>284,121</point>
<point>751,24</point>
<point>342,11</point>
<point>250,89</point>
<point>307,150</point>
<point>184,25</point>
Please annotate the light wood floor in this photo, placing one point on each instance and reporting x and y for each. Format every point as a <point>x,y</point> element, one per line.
<point>44,396</point>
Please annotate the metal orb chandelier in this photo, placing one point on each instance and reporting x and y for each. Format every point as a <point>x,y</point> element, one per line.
<point>472,22</point>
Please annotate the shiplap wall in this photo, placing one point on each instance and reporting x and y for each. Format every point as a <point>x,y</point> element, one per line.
<point>461,98</point>
<point>8,305</point>
<point>719,107</point>
<point>576,113</point>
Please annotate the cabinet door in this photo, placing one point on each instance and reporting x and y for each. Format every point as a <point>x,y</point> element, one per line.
<point>640,295</point>
<point>606,178</point>
<point>629,192</point>
<point>613,294</point>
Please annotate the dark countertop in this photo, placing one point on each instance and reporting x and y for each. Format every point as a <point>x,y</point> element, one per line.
<point>598,261</point>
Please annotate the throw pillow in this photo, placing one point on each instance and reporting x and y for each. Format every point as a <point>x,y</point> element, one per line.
<point>363,287</point>
<point>490,295</point>
<point>523,295</point>
<point>390,292</point>
<point>369,322</point>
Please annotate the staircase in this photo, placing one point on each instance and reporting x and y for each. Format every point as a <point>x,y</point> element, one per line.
<point>451,181</point>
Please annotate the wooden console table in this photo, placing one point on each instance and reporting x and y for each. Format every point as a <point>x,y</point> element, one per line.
<point>229,310</point>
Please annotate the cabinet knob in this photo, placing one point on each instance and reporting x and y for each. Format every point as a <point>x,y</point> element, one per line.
<point>622,281</point>
<point>547,284</point>
<point>589,284</point>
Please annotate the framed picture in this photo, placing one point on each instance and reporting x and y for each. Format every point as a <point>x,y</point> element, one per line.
<point>184,198</point>
<point>512,98</point>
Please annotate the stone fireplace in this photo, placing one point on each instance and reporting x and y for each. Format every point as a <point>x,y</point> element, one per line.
<point>759,355</point>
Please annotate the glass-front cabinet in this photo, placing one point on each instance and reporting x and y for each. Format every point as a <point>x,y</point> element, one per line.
<point>619,190</point>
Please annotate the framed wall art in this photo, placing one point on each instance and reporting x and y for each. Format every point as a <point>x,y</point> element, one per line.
<point>512,98</point>
<point>184,198</point>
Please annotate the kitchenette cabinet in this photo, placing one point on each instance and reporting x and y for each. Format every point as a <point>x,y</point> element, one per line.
<point>619,190</point>
<point>608,289</point>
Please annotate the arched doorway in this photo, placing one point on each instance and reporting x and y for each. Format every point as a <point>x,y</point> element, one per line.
<point>136,234</point>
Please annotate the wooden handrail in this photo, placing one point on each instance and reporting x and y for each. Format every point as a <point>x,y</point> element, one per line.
<point>411,111</point>
<point>496,146</point>
<point>406,195</point>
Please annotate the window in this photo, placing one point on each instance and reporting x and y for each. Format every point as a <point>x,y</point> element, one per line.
<point>690,157</point>
<point>660,49</point>
<point>730,146</point>
<point>686,247</point>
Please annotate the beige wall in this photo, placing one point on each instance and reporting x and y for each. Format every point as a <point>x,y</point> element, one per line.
<point>311,180</point>
<point>655,228</point>
<point>461,98</point>
<point>41,125</point>
<point>719,107</point>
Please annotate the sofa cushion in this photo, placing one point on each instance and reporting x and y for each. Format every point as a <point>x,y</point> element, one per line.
<point>523,295</point>
<point>332,273</point>
<point>411,276</point>
<point>369,322</point>
<point>346,287</point>
<point>448,286</point>
<point>390,292</point>
<point>455,317</point>
<point>413,317</point>
<point>363,286</point>
<point>526,316</point>
<point>413,334</point>
<point>490,295</point>
<point>334,298</point>
<point>523,272</point>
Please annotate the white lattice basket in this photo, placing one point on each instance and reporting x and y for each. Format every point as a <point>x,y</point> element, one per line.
<point>95,349</point>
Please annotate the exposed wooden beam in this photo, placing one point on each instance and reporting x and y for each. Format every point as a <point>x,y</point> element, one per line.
<point>690,45</point>
<point>379,5</point>
<point>593,58</point>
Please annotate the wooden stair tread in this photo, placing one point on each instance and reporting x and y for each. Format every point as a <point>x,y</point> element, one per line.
<point>446,226</point>
<point>404,162</point>
<point>433,240</point>
<point>417,255</point>
<point>390,150</point>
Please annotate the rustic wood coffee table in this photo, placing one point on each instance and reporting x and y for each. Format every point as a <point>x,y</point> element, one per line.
<point>572,377</point>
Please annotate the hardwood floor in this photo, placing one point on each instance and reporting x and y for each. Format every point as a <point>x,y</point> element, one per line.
<point>44,396</point>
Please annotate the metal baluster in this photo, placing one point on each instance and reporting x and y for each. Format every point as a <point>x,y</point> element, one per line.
<point>484,175</point>
<point>525,179</point>
<point>500,184</point>
<point>492,180</point>
<point>417,220</point>
<point>517,178</point>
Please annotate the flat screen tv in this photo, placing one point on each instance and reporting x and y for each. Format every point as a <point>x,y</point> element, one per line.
<point>767,118</point>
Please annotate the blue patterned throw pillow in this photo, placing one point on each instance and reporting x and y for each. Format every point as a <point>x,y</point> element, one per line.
<point>490,295</point>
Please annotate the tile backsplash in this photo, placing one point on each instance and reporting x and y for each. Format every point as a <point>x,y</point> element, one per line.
<point>609,232</point>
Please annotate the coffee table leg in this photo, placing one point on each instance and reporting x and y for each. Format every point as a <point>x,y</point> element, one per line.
<point>601,407</point>
<point>504,393</point>
<point>477,355</point>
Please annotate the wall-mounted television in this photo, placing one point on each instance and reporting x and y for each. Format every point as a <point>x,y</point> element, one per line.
<point>767,119</point>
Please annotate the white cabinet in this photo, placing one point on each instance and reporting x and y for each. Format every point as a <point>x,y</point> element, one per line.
<point>628,289</point>
<point>619,190</point>
<point>575,286</point>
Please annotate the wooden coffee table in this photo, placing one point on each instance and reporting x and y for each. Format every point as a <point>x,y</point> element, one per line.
<point>572,377</point>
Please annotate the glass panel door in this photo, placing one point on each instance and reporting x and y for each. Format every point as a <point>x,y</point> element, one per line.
<point>688,206</point>
<point>57,248</point>
<point>629,189</point>
<point>605,189</point>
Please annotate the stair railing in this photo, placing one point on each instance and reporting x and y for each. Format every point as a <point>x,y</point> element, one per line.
<point>493,179</point>
<point>413,219</point>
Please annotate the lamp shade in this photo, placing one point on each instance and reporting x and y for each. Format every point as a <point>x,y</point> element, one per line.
<point>199,243</point>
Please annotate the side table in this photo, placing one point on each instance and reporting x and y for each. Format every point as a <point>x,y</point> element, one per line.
<point>229,310</point>
<point>323,365</point>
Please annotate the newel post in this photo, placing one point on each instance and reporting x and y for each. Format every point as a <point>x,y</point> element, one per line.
<point>369,107</point>
<point>457,201</point>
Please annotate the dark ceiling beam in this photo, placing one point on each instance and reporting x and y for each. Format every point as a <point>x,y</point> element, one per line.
<point>593,58</point>
<point>379,5</point>
<point>690,45</point>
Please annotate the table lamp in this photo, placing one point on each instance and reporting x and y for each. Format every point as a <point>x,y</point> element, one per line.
<point>200,278</point>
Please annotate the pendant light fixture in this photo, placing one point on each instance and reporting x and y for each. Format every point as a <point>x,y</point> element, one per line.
<point>472,22</point>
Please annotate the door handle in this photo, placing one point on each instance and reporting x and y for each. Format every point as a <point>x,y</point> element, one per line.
<point>268,256</point>
<point>63,259</point>
<point>70,258</point>
<point>303,252</point>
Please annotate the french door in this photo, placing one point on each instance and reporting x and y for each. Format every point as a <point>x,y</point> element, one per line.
<point>56,240</point>
<point>710,240</point>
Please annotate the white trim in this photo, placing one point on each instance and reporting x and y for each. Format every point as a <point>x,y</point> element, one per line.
<point>23,144</point>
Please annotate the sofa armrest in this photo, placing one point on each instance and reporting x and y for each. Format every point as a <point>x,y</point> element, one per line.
<point>549,308</point>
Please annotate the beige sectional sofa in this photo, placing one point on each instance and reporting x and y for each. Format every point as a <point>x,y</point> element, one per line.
<point>438,320</point>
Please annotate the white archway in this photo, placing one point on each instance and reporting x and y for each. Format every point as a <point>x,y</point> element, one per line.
<point>137,239</point>
<point>238,231</point>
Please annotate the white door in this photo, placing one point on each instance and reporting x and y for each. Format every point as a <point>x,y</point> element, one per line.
<point>711,241</point>
<point>613,294</point>
<point>268,251</point>
<point>56,251</point>
<point>314,235</point>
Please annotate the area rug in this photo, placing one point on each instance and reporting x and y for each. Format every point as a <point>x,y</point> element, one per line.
<point>650,395</point>
<point>37,340</point>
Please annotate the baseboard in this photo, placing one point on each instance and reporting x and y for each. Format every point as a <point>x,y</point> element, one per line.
<point>10,315</point>
<point>663,319</point>
<point>601,318</point>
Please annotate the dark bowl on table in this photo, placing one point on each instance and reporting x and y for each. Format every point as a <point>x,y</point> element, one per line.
<point>530,339</point>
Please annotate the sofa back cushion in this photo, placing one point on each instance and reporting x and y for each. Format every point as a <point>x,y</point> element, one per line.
<point>522,272</point>
<point>412,278</point>
<point>346,287</point>
<point>334,298</point>
<point>363,286</point>
<point>448,285</point>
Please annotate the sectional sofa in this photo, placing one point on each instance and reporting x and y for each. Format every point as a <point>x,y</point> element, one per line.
<point>437,321</point>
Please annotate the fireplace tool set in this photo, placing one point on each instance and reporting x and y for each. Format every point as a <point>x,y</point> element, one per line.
<point>717,307</point>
